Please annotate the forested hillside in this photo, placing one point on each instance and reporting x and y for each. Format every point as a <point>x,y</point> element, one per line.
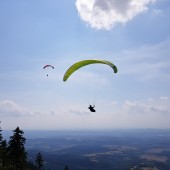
<point>13,155</point>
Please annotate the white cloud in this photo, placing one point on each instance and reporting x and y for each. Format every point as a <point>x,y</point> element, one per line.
<point>105,14</point>
<point>147,107</point>
<point>154,113</point>
<point>9,108</point>
<point>164,98</point>
<point>114,103</point>
<point>78,112</point>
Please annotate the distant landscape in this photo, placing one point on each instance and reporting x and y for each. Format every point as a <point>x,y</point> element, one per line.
<point>101,150</point>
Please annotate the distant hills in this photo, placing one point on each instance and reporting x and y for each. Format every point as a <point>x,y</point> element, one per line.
<point>102,150</point>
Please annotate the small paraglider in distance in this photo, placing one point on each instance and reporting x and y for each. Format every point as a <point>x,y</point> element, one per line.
<point>92,108</point>
<point>48,65</point>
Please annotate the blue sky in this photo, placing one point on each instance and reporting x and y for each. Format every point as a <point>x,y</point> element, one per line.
<point>132,34</point>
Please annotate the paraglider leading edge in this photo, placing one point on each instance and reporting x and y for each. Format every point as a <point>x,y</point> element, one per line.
<point>83,63</point>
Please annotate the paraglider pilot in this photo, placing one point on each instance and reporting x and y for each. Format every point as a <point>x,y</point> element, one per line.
<point>92,108</point>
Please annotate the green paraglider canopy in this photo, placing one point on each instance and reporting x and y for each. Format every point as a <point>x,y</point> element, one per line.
<point>83,63</point>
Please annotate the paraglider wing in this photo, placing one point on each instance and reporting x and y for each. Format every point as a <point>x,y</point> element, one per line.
<point>48,65</point>
<point>83,63</point>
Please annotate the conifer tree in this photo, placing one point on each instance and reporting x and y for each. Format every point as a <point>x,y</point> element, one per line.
<point>3,151</point>
<point>1,148</point>
<point>39,161</point>
<point>17,153</point>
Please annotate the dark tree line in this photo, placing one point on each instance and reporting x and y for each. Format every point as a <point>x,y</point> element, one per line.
<point>13,155</point>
